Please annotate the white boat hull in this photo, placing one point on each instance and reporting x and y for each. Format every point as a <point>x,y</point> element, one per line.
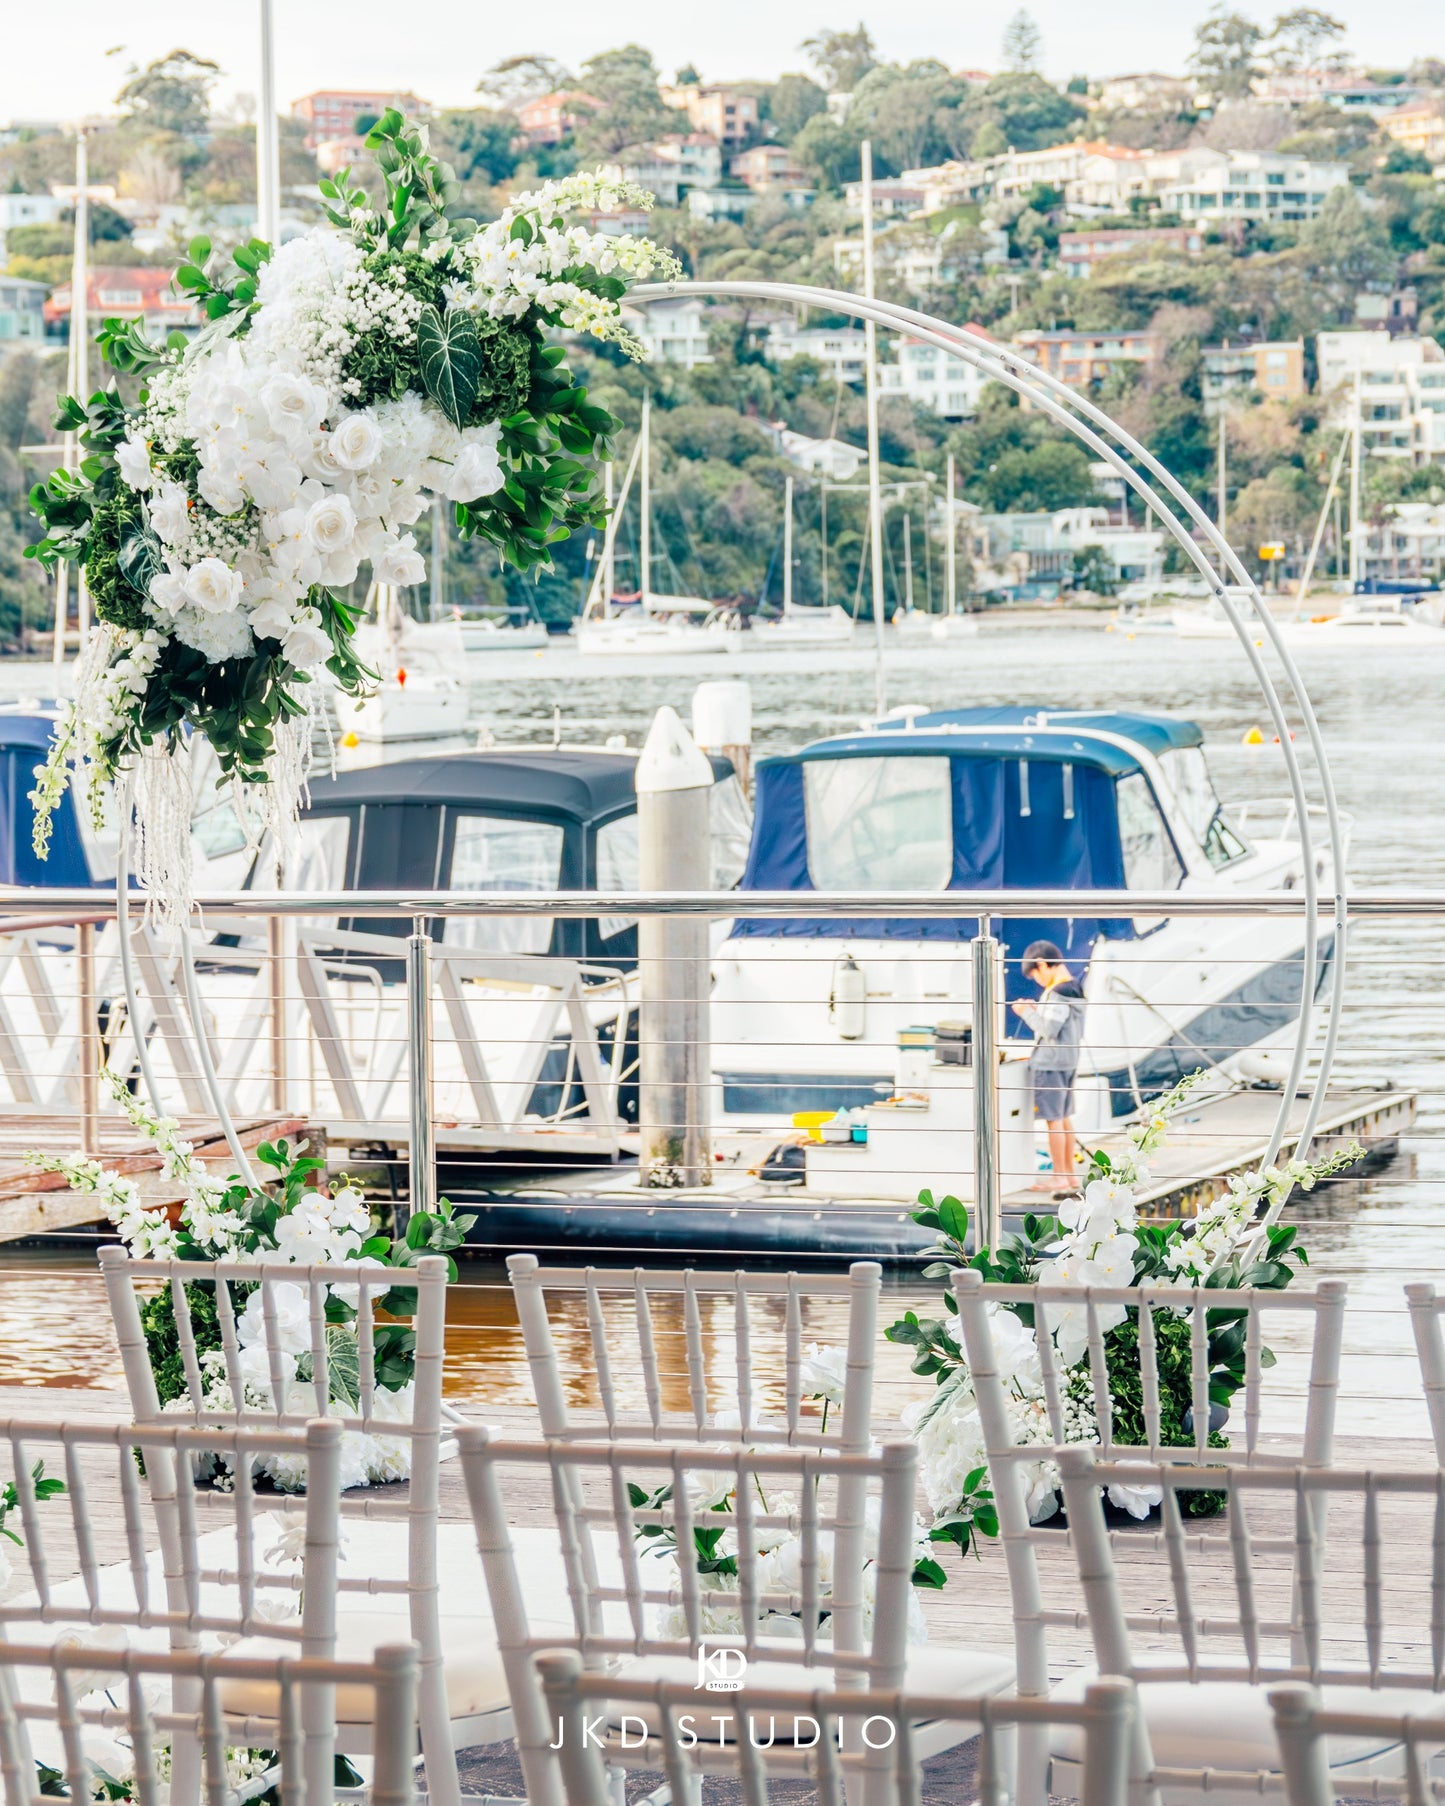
<point>919,629</point>
<point>804,627</point>
<point>487,636</point>
<point>423,708</point>
<point>651,638</point>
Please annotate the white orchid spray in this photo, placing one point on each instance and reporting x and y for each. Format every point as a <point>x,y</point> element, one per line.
<point>1098,1240</point>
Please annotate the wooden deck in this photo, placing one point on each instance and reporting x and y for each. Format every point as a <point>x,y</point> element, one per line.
<point>34,1203</point>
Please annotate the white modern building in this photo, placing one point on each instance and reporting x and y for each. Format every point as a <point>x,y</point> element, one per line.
<point>674,332</point>
<point>1253,186</point>
<point>926,374</point>
<point>1033,554</point>
<point>1400,382</point>
<point>1409,543</point>
<point>832,458</point>
<point>22,310</point>
<point>27,210</point>
<point>839,348</point>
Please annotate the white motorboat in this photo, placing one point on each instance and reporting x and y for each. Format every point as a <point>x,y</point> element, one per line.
<point>916,627</point>
<point>420,695</point>
<point>484,633</point>
<point>648,628</point>
<point>800,627</point>
<point>808,1014</point>
<point>1361,621</point>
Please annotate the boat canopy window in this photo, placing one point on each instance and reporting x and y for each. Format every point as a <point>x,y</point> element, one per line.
<point>321,857</point>
<point>730,822</point>
<point>879,824</point>
<point>618,868</point>
<point>497,853</point>
<point>1198,802</point>
<point>1150,861</point>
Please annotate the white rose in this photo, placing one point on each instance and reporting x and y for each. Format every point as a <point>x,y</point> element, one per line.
<point>356,441</point>
<point>331,525</point>
<point>168,592</point>
<point>307,642</point>
<point>134,458</point>
<point>398,561</point>
<point>213,586</point>
<point>170,512</point>
<point>476,472</point>
<point>824,1373</point>
<point>293,403</point>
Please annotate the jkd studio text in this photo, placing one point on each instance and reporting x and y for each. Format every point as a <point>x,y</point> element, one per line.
<point>796,1731</point>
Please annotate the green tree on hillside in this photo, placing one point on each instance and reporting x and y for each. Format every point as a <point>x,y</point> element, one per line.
<point>1023,44</point>
<point>625,81</point>
<point>795,100</point>
<point>1226,52</point>
<point>517,78</point>
<point>842,58</point>
<point>172,94</point>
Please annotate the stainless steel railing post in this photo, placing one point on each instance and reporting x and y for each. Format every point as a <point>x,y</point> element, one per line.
<point>987,1043</point>
<point>421,1161</point>
<point>89,1041</point>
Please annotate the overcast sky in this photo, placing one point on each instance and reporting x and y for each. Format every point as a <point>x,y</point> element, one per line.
<point>53,64</point>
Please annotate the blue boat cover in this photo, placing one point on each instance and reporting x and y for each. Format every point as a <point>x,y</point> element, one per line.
<point>997,844</point>
<point>24,742</point>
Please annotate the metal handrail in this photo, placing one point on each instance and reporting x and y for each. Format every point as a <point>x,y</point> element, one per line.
<point>60,908</point>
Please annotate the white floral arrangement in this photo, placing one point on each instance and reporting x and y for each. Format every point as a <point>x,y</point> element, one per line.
<point>1097,1240</point>
<point>344,382</point>
<point>293,1221</point>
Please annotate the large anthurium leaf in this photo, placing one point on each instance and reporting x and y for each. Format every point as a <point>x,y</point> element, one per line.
<point>451,360</point>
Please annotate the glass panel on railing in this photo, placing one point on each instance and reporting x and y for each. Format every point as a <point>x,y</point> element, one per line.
<point>496,853</point>
<point>879,824</point>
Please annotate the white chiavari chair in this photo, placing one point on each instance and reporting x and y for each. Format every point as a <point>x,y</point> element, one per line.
<point>1309,1735</point>
<point>117,1561</point>
<point>835,1609</point>
<point>1241,1313</point>
<point>88,1715</point>
<point>1358,1613</point>
<point>692,1340</point>
<point>884,1750</point>
<point>277,1362</point>
<point>1426,1306</point>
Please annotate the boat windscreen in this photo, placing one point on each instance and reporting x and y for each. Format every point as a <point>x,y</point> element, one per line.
<point>879,824</point>
<point>501,853</point>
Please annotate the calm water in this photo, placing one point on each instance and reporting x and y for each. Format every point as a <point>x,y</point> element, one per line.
<point>1381,714</point>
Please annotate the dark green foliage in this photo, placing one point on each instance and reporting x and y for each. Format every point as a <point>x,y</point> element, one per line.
<point>505,379</point>
<point>115,526</point>
<point>163,1342</point>
<point>450,353</point>
<point>1126,1392</point>
<point>384,368</point>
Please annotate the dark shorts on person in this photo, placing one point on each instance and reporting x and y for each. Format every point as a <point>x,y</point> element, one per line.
<point>1053,1094</point>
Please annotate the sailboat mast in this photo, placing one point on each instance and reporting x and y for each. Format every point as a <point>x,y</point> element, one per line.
<point>950,556</point>
<point>907,561</point>
<point>1220,514</point>
<point>646,545</point>
<point>437,600</point>
<point>875,492</point>
<point>1356,542</point>
<point>787,546</point>
<point>80,337</point>
<point>268,148</point>
<point>608,537</point>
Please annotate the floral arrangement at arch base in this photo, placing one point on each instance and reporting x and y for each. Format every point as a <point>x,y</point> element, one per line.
<point>343,382</point>
<point>1097,1239</point>
<point>291,1221</point>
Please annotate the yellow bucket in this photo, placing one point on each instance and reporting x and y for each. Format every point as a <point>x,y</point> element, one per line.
<point>812,1121</point>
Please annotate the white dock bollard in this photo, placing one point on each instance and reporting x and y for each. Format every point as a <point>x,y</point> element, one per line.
<point>674,780</point>
<point>722,722</point>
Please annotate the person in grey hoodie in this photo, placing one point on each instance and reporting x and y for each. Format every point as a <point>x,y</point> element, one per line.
<point>1057,1019</point>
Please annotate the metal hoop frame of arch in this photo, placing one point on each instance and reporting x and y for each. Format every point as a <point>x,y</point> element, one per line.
<point>1087,422</point>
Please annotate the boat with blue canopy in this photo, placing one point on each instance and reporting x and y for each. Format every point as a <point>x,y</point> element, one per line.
<point>808,1012</point>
